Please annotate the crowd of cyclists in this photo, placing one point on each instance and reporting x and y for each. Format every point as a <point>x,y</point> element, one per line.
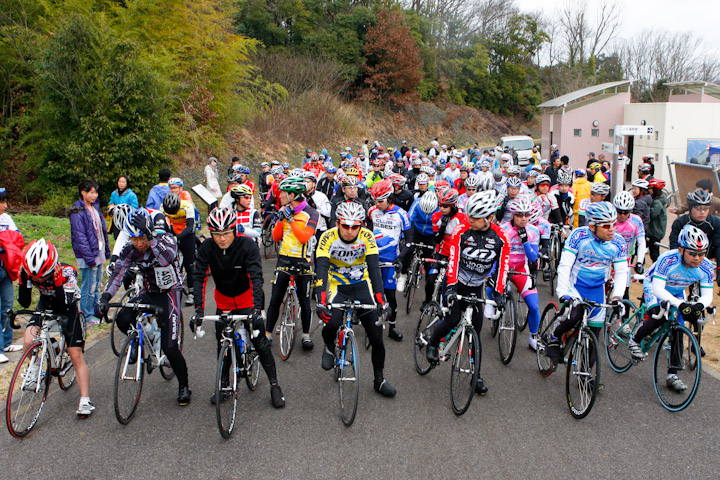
<point>348,229</point>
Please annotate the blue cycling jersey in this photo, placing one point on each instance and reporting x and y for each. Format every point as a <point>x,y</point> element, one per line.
<point>418,219</point>
<point>677,276</point>
<point>388,227</point>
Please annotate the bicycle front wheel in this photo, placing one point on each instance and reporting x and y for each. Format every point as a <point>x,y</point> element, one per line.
<point>522,314</point>
<point>617,333</point>
<point>693,354</point>
<point>226,383</point>
<point>547,323</point>
<point>128,380</point>
<point>429,317</point>
<point>66,372</point>
<point>412,285</point>
<point>465,370</point>
<point>288,321</point>
<point>348,378</point>
<point>252,370</point>
<point>27,391</point>
<point>507,330</point>
<point>582,379</point>
<point>116,337</point>
<point>672,357</point>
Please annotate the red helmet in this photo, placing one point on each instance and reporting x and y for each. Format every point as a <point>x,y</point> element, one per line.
<point>397,180</point>
<point>644,167</point>
<point>382,190</point>
<point>656,183</point>
<point>40,258</point>
<point>447,196</point>
<point>440,184</point>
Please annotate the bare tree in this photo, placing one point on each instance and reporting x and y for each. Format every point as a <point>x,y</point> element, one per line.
<point>587,34</point>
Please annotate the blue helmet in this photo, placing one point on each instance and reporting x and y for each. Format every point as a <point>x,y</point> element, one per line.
<point>244,169</point>
<point>600,212</point>
<point>324,151</point>
<point>330,169</point>
<point>176,181</point>
<point>131,229</point>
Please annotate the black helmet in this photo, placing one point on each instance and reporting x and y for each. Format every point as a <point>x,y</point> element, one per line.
<point>171,204</point>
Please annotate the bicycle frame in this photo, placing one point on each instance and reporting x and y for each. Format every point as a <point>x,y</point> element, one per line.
<point>465,322</point>
<point>49,321</point>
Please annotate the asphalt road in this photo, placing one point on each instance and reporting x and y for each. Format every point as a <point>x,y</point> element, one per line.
<point>522,428</point>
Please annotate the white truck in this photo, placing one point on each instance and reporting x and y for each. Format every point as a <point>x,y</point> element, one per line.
<point>522,144</point>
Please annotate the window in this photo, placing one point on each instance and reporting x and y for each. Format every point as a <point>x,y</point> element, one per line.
<point>657,135</point>
<point>611,132</point>
<point>595,132</point>
<point>577,132</point>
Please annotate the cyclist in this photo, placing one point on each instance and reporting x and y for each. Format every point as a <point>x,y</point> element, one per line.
<point>524,240</point>
<point>402,196</point>
<point>445,220</point>
<point>422,184</point>
<point>630,227</point>
<point>377,173</point>
<point>234,263</point>
<point>317,200</point>
<point>392,234</point>
<point>420,216</point>
<point>348,268</point>
<point>176,186</point>
<point>589,254</point>
<point>471,187</point>
<point>512,188</point>
<point>264,179</point>
<point>314,165</point>
<point>548,201</point>
<point>181,217</point>
<point>328,183</point>
<point>699,216</point>
<point>544,229</point>
<point>59,292</point>
<point>479,249</point>
<point>295,227</point>
<point>598,193</point>
<point>350,193</point>
<point>249,221</point>
<point>233,179</point>
<point>643,200</point>
<point>564,198</point>
<point>153,249</point>
<point>666,281</point>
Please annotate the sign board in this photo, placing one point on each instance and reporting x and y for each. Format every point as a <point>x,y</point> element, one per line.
<point>204,194</point>
<point>634,130</point>
<point>607,147</point>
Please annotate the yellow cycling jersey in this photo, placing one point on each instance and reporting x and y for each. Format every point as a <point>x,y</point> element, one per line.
<point>347,260</point>
<point>178,221</point>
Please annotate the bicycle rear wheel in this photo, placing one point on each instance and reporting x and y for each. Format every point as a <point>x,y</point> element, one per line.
<point>66,372</point>
<point>128,380</point>
<point>252,374</point>
<point>27,391</point>
<point>428,319</point>
<point>288,321</point>
<point>672,353</point>
<point>617,333</point>
<point>547,321</point>
<point>116,338</point>
<point>582,379</point>
<point>348,378</point>
<point>522,312</point>
<point>412,285</point>
<point>507,330</point>
<point>465,370</point>
<point>226,390</point>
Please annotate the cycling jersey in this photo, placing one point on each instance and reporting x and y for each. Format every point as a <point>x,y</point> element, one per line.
<point>320,202</point>
<point>503,214</point>
<point>314,167</point>
<point>249,222</point>
<point>178,221</point>
<point>633,232</point>
<point>586,261</point>
<point>668,278</point>
<point>548,203</point>
<point>389,227</point>
<point>544,228</point>
<point>444,233</point>
<point>475,255</point>
<point>520,252</point>
<point>295,235</point>
<point>462,201</point>
<point>566,203</point>
<point>346,261</point>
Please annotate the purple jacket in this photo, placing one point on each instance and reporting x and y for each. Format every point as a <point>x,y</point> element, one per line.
<point>82,233</point>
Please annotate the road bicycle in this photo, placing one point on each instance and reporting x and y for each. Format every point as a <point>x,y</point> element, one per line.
<point>580,355</point>
<point>290,312</point>
<point>30,383</point>
<point>558,233</point>
<point>237,359</point>
<point>141,352</point>
<point>415,273</point>
<point>269,245</point>
<point>347,363</point>
<point>509,322</point>
<point>117,340</point>
<point>465,355</point>
<point>676,350</point>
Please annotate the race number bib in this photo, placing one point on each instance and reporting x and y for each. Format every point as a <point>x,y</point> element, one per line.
<point>165,277</point>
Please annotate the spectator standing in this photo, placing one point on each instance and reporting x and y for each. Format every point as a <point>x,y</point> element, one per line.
<point>658,218</point>
<point>158,192</point>
<point>211,181</point>
<point>11,246</point>
<point>123,194</point>
<point>88,235</point>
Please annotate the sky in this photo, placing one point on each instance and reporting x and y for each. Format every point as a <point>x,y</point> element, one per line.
<point>700,16</point>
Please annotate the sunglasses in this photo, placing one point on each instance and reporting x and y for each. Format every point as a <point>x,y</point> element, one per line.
<point>607,226</point>
<point>467,189</point>
<point>522,214</point>
<point>623,212</point>
<point>447,205</point>
<point>702,209</point>
<point>350,227</point>
<point>695,253</point>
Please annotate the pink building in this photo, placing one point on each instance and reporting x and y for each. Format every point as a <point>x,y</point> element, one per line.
<point>579,122</point>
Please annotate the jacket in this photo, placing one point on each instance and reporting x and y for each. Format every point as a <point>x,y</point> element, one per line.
<point>643,205</point>
<point>581,189</point>
<point>711,227</point>
<point>128,196</point>
<point>658,219</point>
<point>12,244</point>
<point>157,195</point>
<point>82,234</point>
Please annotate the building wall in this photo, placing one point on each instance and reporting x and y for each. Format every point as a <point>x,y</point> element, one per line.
<point>693,98</point>
<point>608,111</point>
<point>674,124</point>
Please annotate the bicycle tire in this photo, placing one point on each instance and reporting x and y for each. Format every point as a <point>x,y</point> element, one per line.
<point>545,365</point>
<point>410,270</point>
<point>288,322</point>
<point>24,403</point>
<point>252,372</point>
<point>428,318</point>
<point>465,370</point>
<point>582,378</point>
<point>348,378</point>
<point>66,370</point>
<point>507,329</point>
<point>412,286</point>
<point>692,353</point>
<point>616,341</point>
<point>128,381</point>
<point>522,313</point>
<point>494,325</point>
<point>116,340</point>
<point>672,400</point>
<point>226,395</point>
<point>266,231</point>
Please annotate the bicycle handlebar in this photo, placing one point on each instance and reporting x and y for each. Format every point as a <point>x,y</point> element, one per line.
<point>223,318</point>
<point>353,306</point>
<point>139,306</point>
<point>421,245</point>
<point>442,263</point>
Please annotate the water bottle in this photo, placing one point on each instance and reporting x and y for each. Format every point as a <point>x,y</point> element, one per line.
<point>240,342</point>
<point>402,280</point>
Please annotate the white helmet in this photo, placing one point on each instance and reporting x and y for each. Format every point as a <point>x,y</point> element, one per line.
<point>513,182</point>
<point>428,202</point>
<point>599,188</point>
<point>600,212</point>
<point>350,213</point>
<point>641,183</point>
<point>514,170</point>
<point>693,238</point>
<point>486,183</point>
<point>624,201</point>
<point>481,204</point>
<point>120,213</point>
<point>472,181</point>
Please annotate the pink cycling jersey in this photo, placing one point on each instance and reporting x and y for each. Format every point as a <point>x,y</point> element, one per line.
<point>630,230</point>
<point>517,250</point>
